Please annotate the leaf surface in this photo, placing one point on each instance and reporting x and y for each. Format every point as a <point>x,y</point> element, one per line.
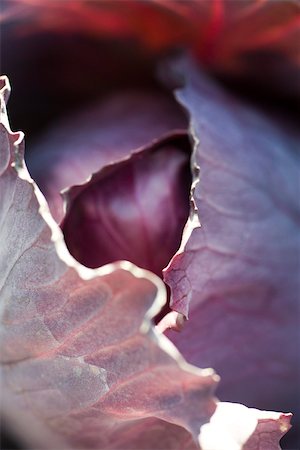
<point>237,276</point>
<point>81,365</point>
<point>75,359</point>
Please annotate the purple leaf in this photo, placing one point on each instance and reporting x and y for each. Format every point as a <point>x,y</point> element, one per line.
<point>134,210</point>
<point>82,365</point>
<point>237,278</point>
<point>75,359</point>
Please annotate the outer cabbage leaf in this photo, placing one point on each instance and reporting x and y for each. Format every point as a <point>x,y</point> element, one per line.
<point>78,369</point>
<point>236,276</point>
<point>74,357</point>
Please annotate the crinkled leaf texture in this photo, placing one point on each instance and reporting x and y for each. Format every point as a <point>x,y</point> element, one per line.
<point>237,277</point>
<point>82,365</point>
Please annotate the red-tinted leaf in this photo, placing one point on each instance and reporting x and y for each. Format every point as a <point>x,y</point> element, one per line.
<point>78,369</point>
<point>237,277</point>
<point>75,360</point>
